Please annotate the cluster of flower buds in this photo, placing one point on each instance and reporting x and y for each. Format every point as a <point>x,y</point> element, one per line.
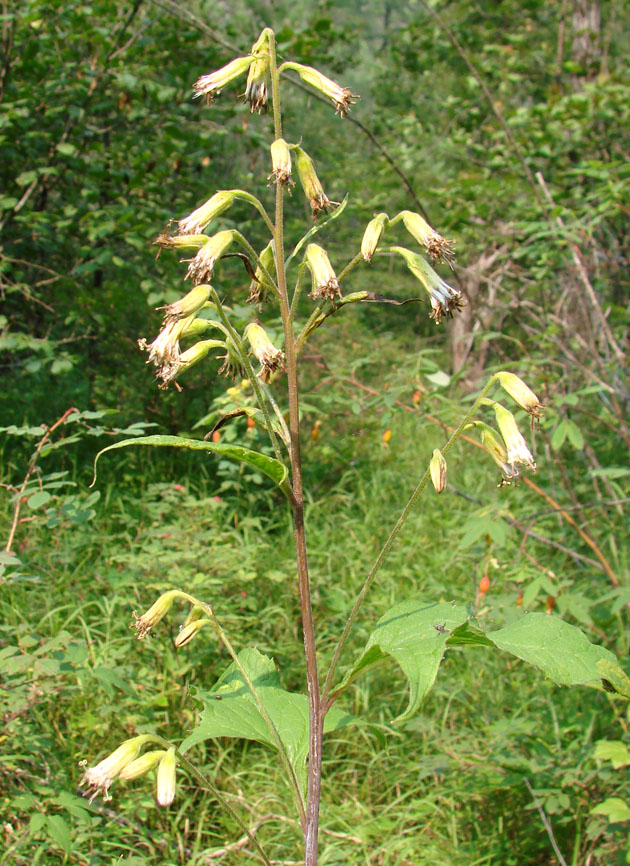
<point>127,763</point>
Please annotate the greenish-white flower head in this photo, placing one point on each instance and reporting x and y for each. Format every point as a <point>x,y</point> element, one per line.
<point>270,358</point>
<point>281,163</point>
<point>211,84</point>
<point>444,298</point>
<point>436,246</point>
<point>196,222</point>
<point>258,81</point>
<point>188,631</point>
<point>521,394</point>
<point>313,190</point>
<point>517,451</point>
<point>495,449</point>
<point>142,765</point>
<point>437,469</point>
<point>325,285</point>
<point>372,235</point>
<point>201,268</point>
<point>342,97</point>
<point>99,778</point>
<point>166,778</point>
<point>194,301</point>
<point>260,287</point>
<point>158,610</point>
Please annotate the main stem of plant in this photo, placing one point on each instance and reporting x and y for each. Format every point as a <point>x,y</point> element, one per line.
<point>312,678</point>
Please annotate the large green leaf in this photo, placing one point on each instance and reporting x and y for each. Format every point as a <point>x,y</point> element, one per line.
<point>230,711</point>
<point>271,467</point>
<point>416,634</point>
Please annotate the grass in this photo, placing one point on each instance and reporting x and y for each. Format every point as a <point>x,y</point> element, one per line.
<point>446,787</point>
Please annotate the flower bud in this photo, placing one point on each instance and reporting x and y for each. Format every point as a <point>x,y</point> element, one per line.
<point>181,242</point>
<point>341,96</point>
<point>188,631</point>
<point>281,163</point>
<point>99,778</point>
<point>444,298</point>
<point>201,267</point>
<point>196,222</point>
<point>372,235</point>
<point>436,246</point>
<point>437,468</point>
<point>143,624</point>
<point>209,85</point>
<point>498,453</point>
<point>517,450</point>
<point>520,393</point>
<point>257,88</point>
<point>260,286</point>
<point>311,185</point>
<point>142,765</point>
<point>166,778</point>
<point>187,306</point>
<point>269,357</point>
<point>325,283</point>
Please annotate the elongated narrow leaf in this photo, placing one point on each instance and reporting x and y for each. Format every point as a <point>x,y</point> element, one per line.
<point>317,228</point>
<point>271,467</point>
<point>414,633</point>
<point>230,711</point>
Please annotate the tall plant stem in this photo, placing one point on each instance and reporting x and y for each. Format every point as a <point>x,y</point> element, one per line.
<point>312,678</point>
<point>327,697</point>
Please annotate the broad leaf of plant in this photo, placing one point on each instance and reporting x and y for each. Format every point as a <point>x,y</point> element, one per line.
<point>269,466</point>
<point>415,634</point>
<point>230,711</point>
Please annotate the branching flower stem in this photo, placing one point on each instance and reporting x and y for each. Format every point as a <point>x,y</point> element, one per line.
<point>316,719</point>
<point>328,696</point>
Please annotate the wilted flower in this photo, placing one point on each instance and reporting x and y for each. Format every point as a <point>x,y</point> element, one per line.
<point>187,306</point>
<point>444,298</point>
<point>158,610</point>
<point>281,163</point>
<point>197,221</point>
<point>498,453</point>
<point>437,469</point>
<point>517,450</point>
<point>164,350</point>
<point>436,246</point>
<point>233,364</point>
<point>372,235</point>
<point>260,286</point>
<point>325,283</point>
<point>99,778</point>
<point>142,765</point>
<point>166,778</point>
<point>201,267</point>
<point>181,242</point>
<point>341,96</point>
<point>521,394</point>
<point>209,85</point>
<point>269,357</point>
<point>311,185</point>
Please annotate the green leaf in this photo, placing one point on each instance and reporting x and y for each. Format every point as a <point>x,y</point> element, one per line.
<point>415,634</point>
<point>231,711</point>
<point>614,808</point>
<point>562,652</point>
<point>66,148</point>
<point>38,499</point>
<point>574,435</point>
<point>614,751</point>
<point>269,466</point>
<point>59,832</point>
<point>559,435</point>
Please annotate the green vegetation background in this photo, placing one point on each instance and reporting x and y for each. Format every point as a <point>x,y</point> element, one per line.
<point>508,125</point>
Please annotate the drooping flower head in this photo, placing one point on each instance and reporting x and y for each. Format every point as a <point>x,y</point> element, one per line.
<point>281,163</point>
<point>436,246</point>
<point>189,305</point>
<point>201,268</point>
<point>341,96</point>
<point>444,298</point>
<point>268,356</point>
<point>495,449</point>
<point>260,287</point>
<point>521,394</point>
<point>257,87</point>
<point>211,84</point>
<point>517,450</point>
<point>372,235</point>
<point>99,778</point>
<point>437,469</point>
<point>313,190</point>
<point>166,778</point>
<point>196,222</point>
<point>324,280</point>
